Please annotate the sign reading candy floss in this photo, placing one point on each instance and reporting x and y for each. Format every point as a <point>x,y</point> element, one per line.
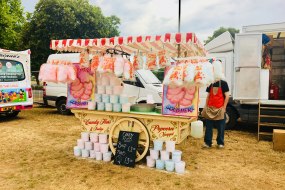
<point>82,89</point>
<point>180,101</point>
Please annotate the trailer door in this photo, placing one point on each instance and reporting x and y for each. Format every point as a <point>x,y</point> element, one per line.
<point>247,66</point>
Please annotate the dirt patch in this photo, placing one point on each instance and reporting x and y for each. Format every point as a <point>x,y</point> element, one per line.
<point>36,152</point>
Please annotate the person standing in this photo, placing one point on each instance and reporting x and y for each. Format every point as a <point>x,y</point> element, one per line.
<point>214,112</point>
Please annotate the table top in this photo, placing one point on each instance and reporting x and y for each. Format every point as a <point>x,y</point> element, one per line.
<point>146,115</point>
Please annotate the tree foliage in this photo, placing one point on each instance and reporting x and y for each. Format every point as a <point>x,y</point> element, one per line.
<point>11,22</point>
<point>64,19</point>
<point>220,31</point>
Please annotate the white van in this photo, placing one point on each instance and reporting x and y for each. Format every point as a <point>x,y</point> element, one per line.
<point>15,82</point>
<point>146,83</point>
<point>248,81</point>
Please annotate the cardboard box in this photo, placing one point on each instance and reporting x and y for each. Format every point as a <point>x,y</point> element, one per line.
<point>278,51</point>
<point>279,139</point>
<point>278,43</point>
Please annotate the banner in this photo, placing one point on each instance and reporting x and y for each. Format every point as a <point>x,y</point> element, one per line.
<point>180,101</point>
<point>82,89</point>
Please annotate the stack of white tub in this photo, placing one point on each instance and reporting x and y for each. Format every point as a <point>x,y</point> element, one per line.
<point>168,158</point>
<point>93,145</point>
<point>109,94</point>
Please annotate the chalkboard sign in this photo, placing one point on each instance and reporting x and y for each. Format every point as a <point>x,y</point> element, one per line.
<point>126,148</point>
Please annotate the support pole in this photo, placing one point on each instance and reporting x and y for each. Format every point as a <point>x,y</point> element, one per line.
<point>179,15</point>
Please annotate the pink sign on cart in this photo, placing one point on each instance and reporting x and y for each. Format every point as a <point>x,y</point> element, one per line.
<point>82,89</point>
<point>180,101</point>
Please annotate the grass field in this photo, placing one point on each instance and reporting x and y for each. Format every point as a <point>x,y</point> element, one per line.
<point>36,152</point>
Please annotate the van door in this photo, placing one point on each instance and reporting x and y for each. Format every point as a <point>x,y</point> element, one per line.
<point>247,66</point>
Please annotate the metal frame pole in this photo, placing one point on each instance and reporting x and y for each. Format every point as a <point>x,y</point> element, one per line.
<point>179,16</point>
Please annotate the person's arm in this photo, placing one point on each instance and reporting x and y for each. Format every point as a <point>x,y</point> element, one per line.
<point>207,100</point>
<point>227,96</point>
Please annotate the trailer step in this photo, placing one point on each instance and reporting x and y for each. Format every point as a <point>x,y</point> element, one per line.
<point>272,124</point>
<point>265,133</point>
<point>272,108</point>
<point>272,116</point>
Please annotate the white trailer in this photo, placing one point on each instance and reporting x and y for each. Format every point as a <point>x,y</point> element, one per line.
<point>248,81</point>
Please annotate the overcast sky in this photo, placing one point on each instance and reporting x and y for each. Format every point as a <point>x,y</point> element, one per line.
<point>151,17</point>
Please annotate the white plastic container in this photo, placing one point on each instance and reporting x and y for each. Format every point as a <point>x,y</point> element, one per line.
<point>98,97</point>
<point>104,148</point>
<point>88,145</point>
<point>91,105</point>
<point>80,143</point>
<point>92,154</point>
<point>107,156</point>
<point>103,138</point>
<point>94,137</point>
<point>118,90</point>
<point>150,162</point>
<point>109,90</point>
<point>170,146</point>
<point>159,164</point>
<point>98,80</point>
<point>164,155</point>
<point>197,129</point>
<point>180,167</point>
<point>85,153</point>
<point>124,99</point>
<point>126,107</point>
<point>176,155</point>
<point>169,165</point>
<point>106,98</point>
<point>97,147</point>
<point>105,80</point>
<point>158,144</point>
<point>154,154</point>
<point>77,151</point>
<point>114,99</point>
<point>99,155</point>
<point>115,81</point>
<point>108,107</point>
<point>100,106</point>
<point>101,89</point>
<point>117,107</point>
<point>85,136</point>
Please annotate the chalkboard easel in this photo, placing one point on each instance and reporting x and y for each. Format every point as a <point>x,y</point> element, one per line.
<point>126,148</point>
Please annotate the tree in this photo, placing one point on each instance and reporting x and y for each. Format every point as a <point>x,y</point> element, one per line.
<point>64,19</point>
<point>11,22</point>
<point>220,31</point>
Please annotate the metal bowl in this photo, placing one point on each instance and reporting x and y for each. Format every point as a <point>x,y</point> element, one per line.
<point>143,107</point>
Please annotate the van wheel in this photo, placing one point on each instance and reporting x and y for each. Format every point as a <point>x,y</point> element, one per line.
<point>12,114</point>
<point>61,108</point>
<point>231,118</point>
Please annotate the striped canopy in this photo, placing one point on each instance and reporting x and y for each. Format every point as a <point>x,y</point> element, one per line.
<point>189,44</point>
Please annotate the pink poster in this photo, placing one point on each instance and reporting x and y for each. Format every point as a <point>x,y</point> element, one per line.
<point>180,101</point>
<point>82,89</point>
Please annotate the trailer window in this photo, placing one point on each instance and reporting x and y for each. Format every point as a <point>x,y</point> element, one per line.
<point>11,71</point>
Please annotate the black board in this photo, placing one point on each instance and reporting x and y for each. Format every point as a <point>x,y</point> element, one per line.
<point>126,148</point>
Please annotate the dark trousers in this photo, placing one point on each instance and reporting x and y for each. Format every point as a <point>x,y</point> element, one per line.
<point>220,125</point>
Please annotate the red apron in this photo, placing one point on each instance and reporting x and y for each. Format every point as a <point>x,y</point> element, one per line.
<point>217,100</point>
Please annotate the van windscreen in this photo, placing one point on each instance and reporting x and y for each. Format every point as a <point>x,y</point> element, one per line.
<point>148,77</point>
<point>11,71</point>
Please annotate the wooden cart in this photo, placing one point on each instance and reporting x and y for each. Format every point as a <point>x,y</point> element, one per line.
<point>151,126</point>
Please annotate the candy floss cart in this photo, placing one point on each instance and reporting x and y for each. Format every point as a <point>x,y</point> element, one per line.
<point>96,92</point>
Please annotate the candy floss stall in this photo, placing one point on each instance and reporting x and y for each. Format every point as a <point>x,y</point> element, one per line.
<point>96,90</point>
